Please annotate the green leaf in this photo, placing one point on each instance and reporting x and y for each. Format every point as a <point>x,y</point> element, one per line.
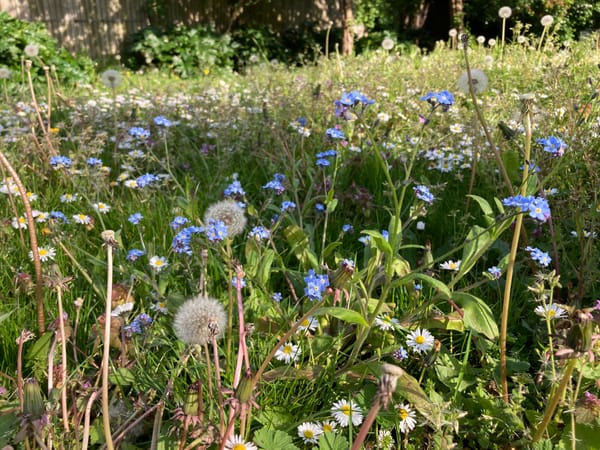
<point>485,208</point>
<point>347,315</point>
<point>264,267</point>
<point>477,315</point>
<point>435,284</point>
<point>409,388</point>
<point>379,241</point>
<point>331,205</point>
<point>332,441</point>
<point>122,377</point>
<point>273,439</point>
<point>299,244</point>
<point>5,316</point>
<point>512,163</point>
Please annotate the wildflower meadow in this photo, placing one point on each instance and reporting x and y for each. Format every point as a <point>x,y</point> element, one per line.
<point>392,250</point>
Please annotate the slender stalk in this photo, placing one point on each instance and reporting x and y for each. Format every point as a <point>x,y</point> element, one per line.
<point>63,354</point>
<point>554,400</point>
<point>86,421</point>
<point>108,237</point>
<point>526,110</point>
<point>37,263</point>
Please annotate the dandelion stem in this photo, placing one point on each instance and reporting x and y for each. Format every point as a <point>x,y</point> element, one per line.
<point>554,401</point>
<point>37,263</point>
<point>526,110</point>
<point>63,353</point>
<point>106,348</point>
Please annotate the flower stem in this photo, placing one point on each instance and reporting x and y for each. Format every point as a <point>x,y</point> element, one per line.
<point>106,348</point>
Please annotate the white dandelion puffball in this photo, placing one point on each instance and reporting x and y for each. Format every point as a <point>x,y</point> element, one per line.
<point>479,79</point>
<point>547,20</point>
<point>111,78</point>
<point>31,50</point>
<point>200,319</point>
<point>387,44</point>
<point>505,12</point>
<point>453,32</point>
<point>228,212</point>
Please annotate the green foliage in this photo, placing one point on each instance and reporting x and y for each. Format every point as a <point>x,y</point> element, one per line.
<point>18,34</point>
<point>184,50</point>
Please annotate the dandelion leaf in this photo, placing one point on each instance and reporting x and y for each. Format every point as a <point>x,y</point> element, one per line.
<point>300,246</point>
<point>5,316</point>
<point>512,163</point>
<point>122,377</point>
<point>409,388</point>
<point>438,285</point>
<point>477,315</point>
<point>347,315</point>
<point>273,439</point>
<point>332,441</point>
<point>485,208</point>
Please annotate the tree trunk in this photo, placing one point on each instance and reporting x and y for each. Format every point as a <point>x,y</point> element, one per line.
<point>457,15</point>
<point>347,21</point>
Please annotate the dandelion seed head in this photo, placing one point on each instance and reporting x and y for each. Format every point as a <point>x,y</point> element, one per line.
<point>230,213</point>
<point>200,319</point>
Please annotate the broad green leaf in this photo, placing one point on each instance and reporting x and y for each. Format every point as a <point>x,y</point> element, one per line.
<point>5,316</point>
<point>273,440</point>
<point>379,241</point>
<point>478,241</point>
<point>512,163</point>
<point>300,246</point>
<point>332,441</point>
<point>485,208</point>
<point>330,248</point>
<point>331,205</point>
<point>477,315</point>
<point>122,377</point>
<point>435,284</point>
<point>347,315</point>
<point>264,267</point>
<point>409,388</point>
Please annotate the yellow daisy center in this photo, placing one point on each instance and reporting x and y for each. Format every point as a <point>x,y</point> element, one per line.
<point>22,220</point>
<point>308,434</point>
<point>43,252</point>
<point>403,414</point>
<point>158,262</point>
<point>305,323</point>
<point>419,339</point>
<point>551,312</point>
<point>327,427</point>
<point>287,349</point>
<point>239,447</point>
<point>346,409</point>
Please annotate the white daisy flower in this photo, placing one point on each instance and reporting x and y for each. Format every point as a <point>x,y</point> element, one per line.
<point>407,418</point>
<point>309,432</point>
<point>551,311</point>
<point>158,263</point>
<point>420,340</point>
<point>237,442</point>
<point>160,307</point>
<point>328,426</point>
<point>123,308</point>
<point>457,128</point>
<point>343,412</point>
<point>288,353</point>
<point>385,322</point>
<point>68,198</point>
<point>310,324</point>
<point>82,219</point>
<point>102,208</point>
<point>451,265</point>
<point>46,253</point>
<point>31,196</point>
<point>385,439</point>
<point>19,222</point>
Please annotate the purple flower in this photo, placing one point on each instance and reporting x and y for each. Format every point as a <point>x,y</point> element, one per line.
<point>495,272</point>
<point>93,162</point>
<point>235,188</point>
<point>287,206</point>
<point>259,233</point>
<point>553,145</point>
<point>347,228</point>
<point>537,207</point>
<point>134,254</point>
<point>215,230</point>
<point>334,133</point>
<point>541,257</point>
<point>182,241</point>
<point>443,98</point>
<point>59,161</point>
<point>276,297</point>
<point>139,132</point>
<point>315,285</point>
<point>276,184</point>
<point>57,215</point>
<point>146,180</point>
<point>423,194</point>
<point>162,121</point>
<point>400,354</point>
<point>234,282</point>
<point>135,218</point>
<point>178,222</point>
<point>321,162</point>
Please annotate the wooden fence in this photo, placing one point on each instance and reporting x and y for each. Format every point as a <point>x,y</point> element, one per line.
<point>98,27</point>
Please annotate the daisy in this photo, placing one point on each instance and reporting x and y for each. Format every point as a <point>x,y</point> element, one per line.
<point>31,196</point>
<point>451,265</point>
<point>385,322</point>
<point>310,324</point>
<point>385,439</point>
<point>420,340</point>
<point>102,208</point>
<point>82,219</point>
<point>160,307</point>
<point>46,253</point>
<point>236,442</point>
<point>407,417</point>
<point>551,311</point>
<point>328,426</point>
<point>132,184</point>
<point>288,353</point>
<point>19,222</point>
<point>309,432</point>
<point>457,128</point>
<point>344,411</point>
<point>68,198</point>
<point>41,216</point>
<point>122,308</point>
<point>158,263</point>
